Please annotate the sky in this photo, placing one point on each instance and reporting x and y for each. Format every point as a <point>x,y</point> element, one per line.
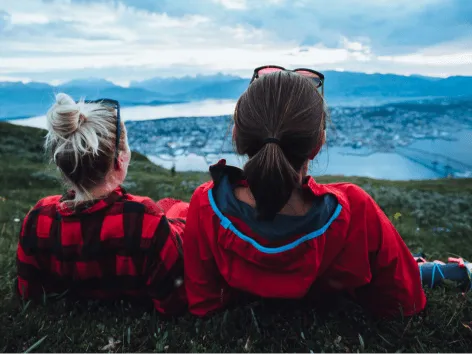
<point>123,40</point>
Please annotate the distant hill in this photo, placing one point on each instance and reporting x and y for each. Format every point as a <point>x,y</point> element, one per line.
<point>184,85</point>
<point>230,89</point>
<point>90,83</point>
<point>23,100</point>
<point>341,88</point>
<point>18,100</point>
<point>348,84</point>
<point>339,85</point>
<point>99,88</point>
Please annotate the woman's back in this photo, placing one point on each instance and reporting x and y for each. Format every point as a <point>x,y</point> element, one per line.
<point>104,249</point>
<point>340,241</point>
<point>97,240</point>
<point>344,242</point>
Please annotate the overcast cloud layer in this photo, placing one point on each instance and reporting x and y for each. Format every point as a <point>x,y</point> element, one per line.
<point>136,39</point>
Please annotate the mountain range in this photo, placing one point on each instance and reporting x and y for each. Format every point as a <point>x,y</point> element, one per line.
<point>18,100</point>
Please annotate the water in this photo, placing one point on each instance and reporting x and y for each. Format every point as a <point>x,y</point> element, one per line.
<point>331,161</point>
<point>459,150</point>
<point>341,161</point>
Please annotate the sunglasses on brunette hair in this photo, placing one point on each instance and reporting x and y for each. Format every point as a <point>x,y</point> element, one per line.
<point>114,104</point>
<point>315,76</point>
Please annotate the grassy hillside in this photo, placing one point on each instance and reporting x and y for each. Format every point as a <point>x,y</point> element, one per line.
<point>436,217</point>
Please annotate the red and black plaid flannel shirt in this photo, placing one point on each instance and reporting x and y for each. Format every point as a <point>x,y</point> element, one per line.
<point>122,245</point>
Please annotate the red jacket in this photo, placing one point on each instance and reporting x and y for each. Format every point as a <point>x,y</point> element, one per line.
<point>122,245</point>
<point>355,248</point>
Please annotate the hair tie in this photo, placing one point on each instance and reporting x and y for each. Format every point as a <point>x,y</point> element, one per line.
<point>272,140</point>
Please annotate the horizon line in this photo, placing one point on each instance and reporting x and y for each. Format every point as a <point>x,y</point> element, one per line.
<point>56,83</point>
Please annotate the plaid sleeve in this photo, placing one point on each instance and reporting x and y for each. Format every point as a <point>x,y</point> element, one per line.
<point>165,271</point>
<point>28,270</point>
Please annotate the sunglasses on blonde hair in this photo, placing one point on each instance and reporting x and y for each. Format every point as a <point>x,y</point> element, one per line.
<point>115,105</point>
<point>317,77</point>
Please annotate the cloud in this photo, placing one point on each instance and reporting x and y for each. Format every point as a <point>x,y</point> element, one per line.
<point>463,58</point>
<point>25,18</point>
<point>391,26</point>
<point>135,39</point>
<point>4,20</point>
<point>232,4</point>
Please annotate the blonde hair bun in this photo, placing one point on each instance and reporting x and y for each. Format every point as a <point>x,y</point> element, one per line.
<point>78,127</point>
<point>63,118</point>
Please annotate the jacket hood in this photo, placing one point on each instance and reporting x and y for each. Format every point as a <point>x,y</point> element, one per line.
<point>282,234</point>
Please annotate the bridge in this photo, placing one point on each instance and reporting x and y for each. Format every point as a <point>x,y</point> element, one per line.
<point>445,166</point>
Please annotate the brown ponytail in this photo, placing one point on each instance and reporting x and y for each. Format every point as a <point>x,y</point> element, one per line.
<point>286,107</point>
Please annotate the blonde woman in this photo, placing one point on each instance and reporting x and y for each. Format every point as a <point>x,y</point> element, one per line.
<point>97,240</point>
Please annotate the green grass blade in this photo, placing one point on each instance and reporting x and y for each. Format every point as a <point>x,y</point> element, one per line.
<point>36,345</point>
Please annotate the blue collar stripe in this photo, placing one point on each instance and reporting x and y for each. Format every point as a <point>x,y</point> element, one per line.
<point>227,224</point>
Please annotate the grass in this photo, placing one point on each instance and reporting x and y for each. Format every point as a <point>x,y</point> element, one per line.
<point>337,326</point>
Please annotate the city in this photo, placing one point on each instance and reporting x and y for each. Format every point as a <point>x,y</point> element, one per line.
<point>363,129</point>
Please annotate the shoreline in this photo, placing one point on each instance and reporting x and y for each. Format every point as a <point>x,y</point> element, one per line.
<point>392,142</point>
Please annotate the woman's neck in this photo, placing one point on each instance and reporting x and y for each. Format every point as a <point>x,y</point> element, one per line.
<point>297,205</point>
<point>101,191</point>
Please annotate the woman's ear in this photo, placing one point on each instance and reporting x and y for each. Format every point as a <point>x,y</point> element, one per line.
<point>119,163</point>
<point>318,148</point>
<point>123,160</point>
